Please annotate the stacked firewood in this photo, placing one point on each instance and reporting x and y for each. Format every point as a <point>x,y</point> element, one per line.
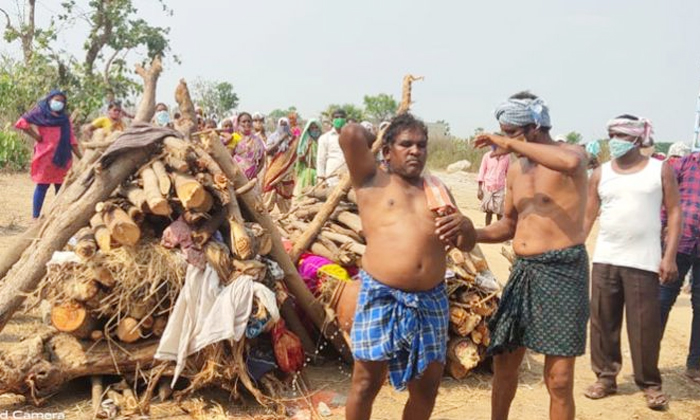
<point>340,238</point>
<point>106,259</point>
<point>472,289</point>
<point>127,280</point>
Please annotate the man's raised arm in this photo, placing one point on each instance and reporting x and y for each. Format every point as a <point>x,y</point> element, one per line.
<point>356,143</point>
<point>556,157</point>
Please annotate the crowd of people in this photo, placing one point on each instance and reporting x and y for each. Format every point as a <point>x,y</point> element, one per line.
<point>546,200</point>
<point>285,161</point>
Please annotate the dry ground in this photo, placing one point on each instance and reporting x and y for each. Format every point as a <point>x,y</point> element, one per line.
<point>468,399</point>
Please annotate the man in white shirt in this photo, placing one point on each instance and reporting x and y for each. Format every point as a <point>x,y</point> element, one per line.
<point>330,157</point>
<point>629,262</point>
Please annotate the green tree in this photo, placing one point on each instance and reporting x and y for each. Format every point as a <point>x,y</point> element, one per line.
<point>574,138</point>
<point>274,115</point>
<point>381,107</point>
<point>214,97</point>
<point>353,112</point>
<point>115,32</point>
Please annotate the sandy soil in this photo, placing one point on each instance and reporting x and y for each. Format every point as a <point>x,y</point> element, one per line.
<point>469,398</point>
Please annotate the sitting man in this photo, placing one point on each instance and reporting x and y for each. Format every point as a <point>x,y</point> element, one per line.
<point>409,221</point>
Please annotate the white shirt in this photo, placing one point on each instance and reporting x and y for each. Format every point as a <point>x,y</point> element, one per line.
<point>330,156</point>
<point>630,217</point>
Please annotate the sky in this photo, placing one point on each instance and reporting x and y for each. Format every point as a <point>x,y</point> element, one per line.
<point>590,60</point>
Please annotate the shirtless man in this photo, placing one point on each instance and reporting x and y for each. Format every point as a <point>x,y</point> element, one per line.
<point>402,310</point>
<point>544,306</point>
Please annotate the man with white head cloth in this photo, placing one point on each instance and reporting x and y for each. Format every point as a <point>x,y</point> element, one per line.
<point>544,306</point>
<point>629,262</point>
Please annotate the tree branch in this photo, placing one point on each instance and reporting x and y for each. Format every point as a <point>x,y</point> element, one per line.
<point>108,65</point>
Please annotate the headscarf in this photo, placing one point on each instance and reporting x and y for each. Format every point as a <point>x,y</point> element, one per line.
<point>678,149</point>
<point>641,128</point>
<point>593,148</point>
<point>281,136</point>
<point>42,116</point>
<point>521,112</point>
<point>305,137</point>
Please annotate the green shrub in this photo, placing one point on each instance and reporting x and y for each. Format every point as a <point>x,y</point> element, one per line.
<point>15,154</point>
<point>444,150</point>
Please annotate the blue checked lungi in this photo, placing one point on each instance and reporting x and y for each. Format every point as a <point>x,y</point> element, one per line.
<point>407,329</point>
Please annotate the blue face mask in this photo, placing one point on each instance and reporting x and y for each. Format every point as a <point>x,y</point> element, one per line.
<point>56,106</point>
<point>162,118</point>
<point>619,148</point>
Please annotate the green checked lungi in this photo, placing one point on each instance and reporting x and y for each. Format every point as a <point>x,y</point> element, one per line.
<point>544,306</point>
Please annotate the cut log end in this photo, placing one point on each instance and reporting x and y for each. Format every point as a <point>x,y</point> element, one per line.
<point>128,330</point>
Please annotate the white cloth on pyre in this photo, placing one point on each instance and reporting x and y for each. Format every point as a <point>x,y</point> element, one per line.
<point>205,313</point>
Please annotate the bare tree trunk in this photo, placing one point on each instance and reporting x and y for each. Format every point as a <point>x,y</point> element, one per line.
<point>28,35</point>
<point>72,211</point>
<point>147,106</point>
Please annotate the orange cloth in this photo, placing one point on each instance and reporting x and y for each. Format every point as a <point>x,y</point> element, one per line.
<point>288,350</point>
<point>438,197</point>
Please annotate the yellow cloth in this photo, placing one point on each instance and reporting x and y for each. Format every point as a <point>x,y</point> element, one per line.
<point>235,139</point>
<point>107,125</point>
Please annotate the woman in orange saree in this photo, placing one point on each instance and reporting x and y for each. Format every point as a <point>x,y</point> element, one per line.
<point>278,182</point>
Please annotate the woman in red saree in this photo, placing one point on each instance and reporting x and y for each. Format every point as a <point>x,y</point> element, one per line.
<point>278,182</point>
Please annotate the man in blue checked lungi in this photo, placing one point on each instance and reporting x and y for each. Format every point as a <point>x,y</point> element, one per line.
<point>409,221</point>
<point>544,306</point>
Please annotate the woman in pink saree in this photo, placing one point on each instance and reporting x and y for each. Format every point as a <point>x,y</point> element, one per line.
<point>249,152</point>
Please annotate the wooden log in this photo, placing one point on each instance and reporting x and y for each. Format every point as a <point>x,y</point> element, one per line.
<point>86,245</point>
<point>81,291</point>
<point>159,324</point>
<point>164,183</point>
<point>312,307</point>
<point>206,205</point>
<point>128,330</point>
<point>176,164</point>
<point>147,322</point>
<point>187,124</point>
<point>101,274</point>
<point>121,227</point>
<point>241,243</point>
<point>73,318</point>
<point>464,352</point>
<point>136,196</point>
<point>71,211</point>
<point>350,220</point>
<point>157,204</point>
<point>202,234</point>
<point>247,187</point>
<point>99,229</point>
<point>189,191</point>
<point>42,364</point>
<point>334,227</point>
<point>339,238</point>
<point>207,180</point>
<point>147,106</point>
<point>320,250</point>
<point>96,389</point>
<point>136,214</point>
<point>141,309</point>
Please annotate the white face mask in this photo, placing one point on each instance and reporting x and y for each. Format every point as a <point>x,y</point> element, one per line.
<point>56,106</point>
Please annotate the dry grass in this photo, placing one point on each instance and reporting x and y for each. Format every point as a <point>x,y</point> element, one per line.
<point>443,150</point>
